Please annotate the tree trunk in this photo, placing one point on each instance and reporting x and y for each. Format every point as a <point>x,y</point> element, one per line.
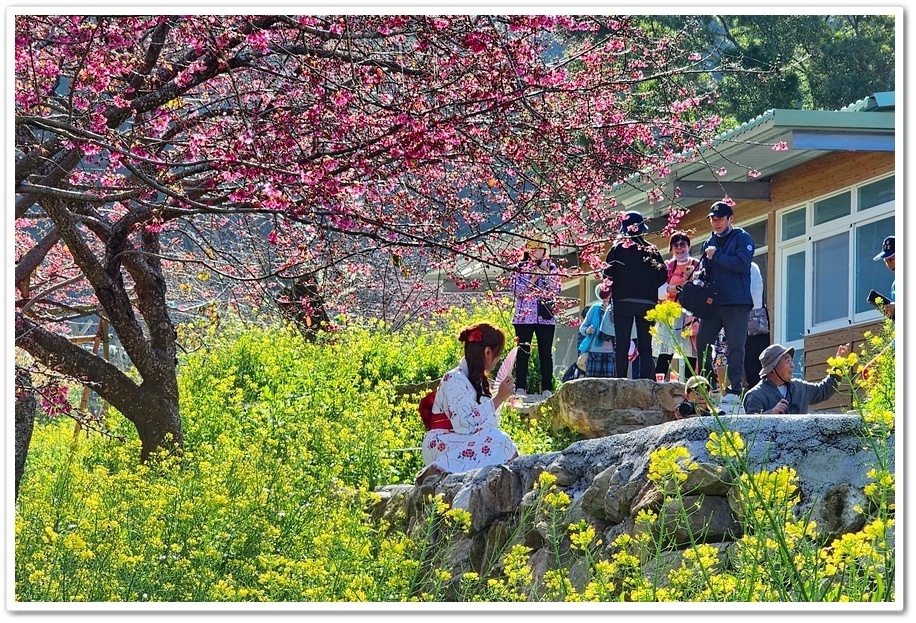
<point>151,406</point>
<point>26,405</point>
<point>158,422</point>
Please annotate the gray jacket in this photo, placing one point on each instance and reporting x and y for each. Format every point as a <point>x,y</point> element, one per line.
<point>763,396</point>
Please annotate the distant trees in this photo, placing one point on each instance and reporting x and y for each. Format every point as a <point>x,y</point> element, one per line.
<point>790,61</point>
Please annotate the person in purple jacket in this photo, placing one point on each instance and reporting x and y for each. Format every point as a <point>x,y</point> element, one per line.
<point>535,284</point>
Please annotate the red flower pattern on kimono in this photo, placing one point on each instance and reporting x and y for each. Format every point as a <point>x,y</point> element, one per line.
<point>475,439</point>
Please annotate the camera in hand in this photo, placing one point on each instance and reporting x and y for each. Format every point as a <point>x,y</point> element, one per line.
<point>687,408</point>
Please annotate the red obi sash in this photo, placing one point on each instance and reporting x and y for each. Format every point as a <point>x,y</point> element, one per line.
<point>440,420</point>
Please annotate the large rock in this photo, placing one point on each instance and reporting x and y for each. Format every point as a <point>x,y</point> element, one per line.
<point>600,407</point>
<point>607,482</point>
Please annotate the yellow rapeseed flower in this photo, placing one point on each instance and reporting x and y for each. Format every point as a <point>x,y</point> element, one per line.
<point>665,313</point>
<point>546,479</point>
<point>727,445</point>
<point>557,499</point>
<point>581,535</point>
<point>669,464</point>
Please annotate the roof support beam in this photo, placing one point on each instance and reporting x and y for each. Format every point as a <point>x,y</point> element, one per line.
<point>714,189</point>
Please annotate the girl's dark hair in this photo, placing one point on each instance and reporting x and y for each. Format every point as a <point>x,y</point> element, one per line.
<point>476,338</point>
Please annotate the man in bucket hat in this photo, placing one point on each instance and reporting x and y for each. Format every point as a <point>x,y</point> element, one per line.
<point>779,393</point>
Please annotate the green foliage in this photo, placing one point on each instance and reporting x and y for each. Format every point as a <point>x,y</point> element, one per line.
<point>285,441</point>
<point>788,61</point>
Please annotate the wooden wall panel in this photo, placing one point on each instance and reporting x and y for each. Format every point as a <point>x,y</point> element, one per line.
<point>818,177</point>
<point>820,347</point>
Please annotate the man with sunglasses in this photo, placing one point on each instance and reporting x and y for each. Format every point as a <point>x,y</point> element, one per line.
<point>778,393</point>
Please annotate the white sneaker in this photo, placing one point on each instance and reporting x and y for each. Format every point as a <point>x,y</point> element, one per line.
<point>730,404</point>
<point>728,400</point>
<point>547,393</point>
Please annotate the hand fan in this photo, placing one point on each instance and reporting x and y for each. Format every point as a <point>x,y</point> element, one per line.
<point>508,363</point>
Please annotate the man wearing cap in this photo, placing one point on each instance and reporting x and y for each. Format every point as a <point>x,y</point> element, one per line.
<point>636,269</point>
<point>779,393</point>
<point>887,254</point>
<point>726,258</point>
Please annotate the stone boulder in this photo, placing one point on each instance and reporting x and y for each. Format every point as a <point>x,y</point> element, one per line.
<point>607,481</point>
<point>601,407</point>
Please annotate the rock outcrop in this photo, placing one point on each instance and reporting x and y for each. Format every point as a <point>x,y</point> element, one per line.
<point>606,478</point>
<point>601,407</point>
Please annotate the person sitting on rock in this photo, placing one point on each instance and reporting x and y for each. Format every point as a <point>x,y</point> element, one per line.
<point>778,393</point>
<point>466,433</point>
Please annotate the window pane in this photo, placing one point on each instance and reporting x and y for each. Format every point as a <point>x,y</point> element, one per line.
<point>799,360</point>
<point>758,232</point>
<point>832,208</point>
<point>794,310</point>
<point>876,193</point>
<point>831,278</point>
<point>793,224</point>
<point>871,275</point>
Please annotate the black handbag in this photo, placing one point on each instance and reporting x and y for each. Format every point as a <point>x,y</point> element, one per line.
<point>701,301</point>
<point>545,309</point>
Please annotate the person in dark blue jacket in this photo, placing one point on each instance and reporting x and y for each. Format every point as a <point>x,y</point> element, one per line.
<point>636,269</point>
<point>727,259</point>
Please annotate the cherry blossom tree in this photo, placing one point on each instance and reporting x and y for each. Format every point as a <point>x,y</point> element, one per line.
<point>167,160</point>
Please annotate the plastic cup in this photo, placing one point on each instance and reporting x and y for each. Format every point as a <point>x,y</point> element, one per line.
<point>659,378</point>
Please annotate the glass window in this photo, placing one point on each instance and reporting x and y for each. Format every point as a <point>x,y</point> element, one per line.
<point>876,193</point>
<point>794,307</point>
<point>832,208</point>
<point>869,274</point>
<point>831,278</point>
<point>799,360</point>
<point>793,224</point>
<point>758,232</point>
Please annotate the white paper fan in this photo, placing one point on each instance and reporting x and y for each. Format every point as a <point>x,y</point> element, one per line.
<point>508,363</point>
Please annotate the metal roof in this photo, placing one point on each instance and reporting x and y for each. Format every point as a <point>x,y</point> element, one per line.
<point>808,134</point>
<point>866,124</point>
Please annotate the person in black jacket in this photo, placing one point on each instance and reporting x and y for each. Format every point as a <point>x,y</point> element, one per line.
<point>636,269</point>
<point>727,269</point>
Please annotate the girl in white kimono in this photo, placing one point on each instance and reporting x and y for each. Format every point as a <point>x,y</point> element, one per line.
<point>469,436</point>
